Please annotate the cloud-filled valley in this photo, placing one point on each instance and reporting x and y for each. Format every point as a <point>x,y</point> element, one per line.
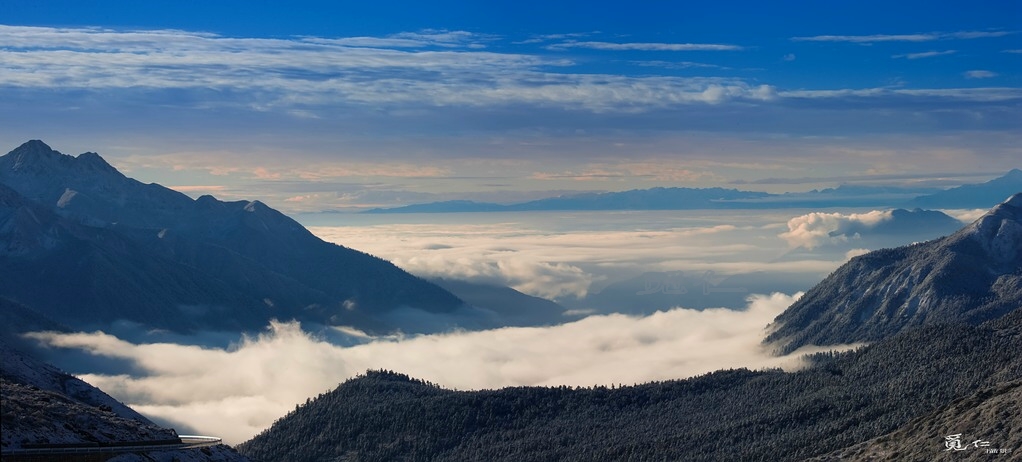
<point>238,391</point>
<point>570,256</point>
<point>562,256</point>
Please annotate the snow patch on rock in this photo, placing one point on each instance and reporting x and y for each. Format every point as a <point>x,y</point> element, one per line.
<point>65,198</point>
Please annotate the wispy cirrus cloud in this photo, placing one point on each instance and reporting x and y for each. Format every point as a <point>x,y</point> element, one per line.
<point>979,34</point>
<point>923,37</point>
<point>426,38</point>
<point>427,98</point>
<point>551,37</point>
<point>921,94</point>
<point>925,54</point>
<point>646,46</point>
<point>869,38</point>
<point>313,78</point>
<point>980,74</point>
<point>303,73</point>
<point>678,65</point>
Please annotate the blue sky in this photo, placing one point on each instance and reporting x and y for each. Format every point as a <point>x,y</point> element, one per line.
<point>333,105</point>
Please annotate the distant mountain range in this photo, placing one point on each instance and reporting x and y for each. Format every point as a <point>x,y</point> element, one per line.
<point>637,199</point>
<point>945,328</point>
<point>84,245</point>
<point>983,195</point>
<point>973,195</point>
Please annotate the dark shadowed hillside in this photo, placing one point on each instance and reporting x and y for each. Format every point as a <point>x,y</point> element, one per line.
<point>968,277</point>
<point>85,245</point>
<point>992,416</point>
<point>43,406</point>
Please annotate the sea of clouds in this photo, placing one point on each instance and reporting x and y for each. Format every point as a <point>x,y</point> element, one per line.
<point>239,390</point>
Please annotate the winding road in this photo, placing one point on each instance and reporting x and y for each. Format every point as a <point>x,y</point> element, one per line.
<point>104,452</point>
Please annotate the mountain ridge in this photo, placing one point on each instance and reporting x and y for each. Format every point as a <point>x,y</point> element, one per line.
<point>970,276</point>
<point>980,195</point>
<point>983,195</point>
<point>152,255</point>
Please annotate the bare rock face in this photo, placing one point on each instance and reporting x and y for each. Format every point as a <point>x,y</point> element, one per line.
<point>999,233</point>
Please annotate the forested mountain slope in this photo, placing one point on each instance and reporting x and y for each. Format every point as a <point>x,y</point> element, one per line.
<point>990,416</point>
<point>843,399</point>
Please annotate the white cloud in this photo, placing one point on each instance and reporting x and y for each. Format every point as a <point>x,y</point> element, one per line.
<point>925,54</point>
<point>539,278</point>
<point>563,256</point>
<point>677,64</point>
<point>426,38</point>
<point>966,215</point>
<point>921,94</point>
<point>979,74</point>
<point>411,83</point>
<point>979,34</point>
<point>818,228</point>
<point>927,37</point>
<point>550,37</point>
<point>647,46</point>
<point>303,73</point>
<point>855,253</point>
<point>502,254</point>
<point>236,392</point>
<point>869,38</point>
